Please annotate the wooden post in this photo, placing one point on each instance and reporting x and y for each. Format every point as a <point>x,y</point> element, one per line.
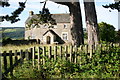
<point>91,50</point>
<point>55,52</point>
<point>50,52</point>
<point>61,52</point>
<point>100,46</point>
<point>5,61</point>
<point>81,52</point>
<point>39,58</point>
<point>30,54</point>
<point>27,55</point>
<point>71,51</point>
<point>11,62</point>
<point>16,57</point>
<point>75,53</point>
<point>44,54</point>
<point>21,56</point>
<point>66,51</point>
<point>33,56</point>
<point>0,66</point>
<point>86,49</point>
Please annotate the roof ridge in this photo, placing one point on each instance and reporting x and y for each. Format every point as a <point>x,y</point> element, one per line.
<point>55,14</point>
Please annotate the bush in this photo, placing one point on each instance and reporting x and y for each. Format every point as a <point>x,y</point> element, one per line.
<point>107,32</point>
<point>103,64</point>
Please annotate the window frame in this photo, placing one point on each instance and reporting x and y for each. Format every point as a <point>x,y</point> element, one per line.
<point>64,37</point>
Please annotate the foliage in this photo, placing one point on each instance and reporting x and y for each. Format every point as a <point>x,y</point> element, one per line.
<point>43,18</point>
<point>107,32</point>
<point>103,64</point>
<point>4,4</point>
<point>60,69</point>
<point>113,6</point>
<point>118,36</point>
<point>15,14</point>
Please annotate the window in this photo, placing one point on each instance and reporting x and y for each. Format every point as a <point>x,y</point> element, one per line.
<point>65,25</point>
<point>45,26</point>
<point>65,36</point>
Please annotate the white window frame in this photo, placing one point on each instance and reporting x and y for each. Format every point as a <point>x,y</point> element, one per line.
<point>64,36</point>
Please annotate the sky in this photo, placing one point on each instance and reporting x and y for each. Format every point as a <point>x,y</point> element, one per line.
<point>103,14</point>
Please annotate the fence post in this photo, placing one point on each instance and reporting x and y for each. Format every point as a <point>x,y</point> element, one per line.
<point>61,52</point>
<point>30,54</point>
<point>39,58</point>
<point>55,52</point>
<point>26,54</point>
<point>91,50</point>
<point>0,66</point>
<point>81,52</point>
<point>11,62</point>
<point>71,51</point>
<point>5,61</point>
<point>100,48</point>
<point>66,51</point>
<point>33,56</point>
<point>21,56</point>
<point>50,52</point>
<point>75,54</point>
<point>86,49</point>
<point>16,57</point>
<point>44,54</point>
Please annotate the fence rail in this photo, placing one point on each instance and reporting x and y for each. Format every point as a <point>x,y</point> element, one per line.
<point>68,52</point>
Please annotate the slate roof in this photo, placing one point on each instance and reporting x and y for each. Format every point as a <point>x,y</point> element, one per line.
<point>51,31</point>
<point>60,18</point>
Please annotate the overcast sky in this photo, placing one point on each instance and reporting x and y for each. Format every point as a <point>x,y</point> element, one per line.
<point>34,5</point>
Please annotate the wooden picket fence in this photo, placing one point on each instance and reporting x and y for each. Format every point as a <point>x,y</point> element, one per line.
<point>68,52</point>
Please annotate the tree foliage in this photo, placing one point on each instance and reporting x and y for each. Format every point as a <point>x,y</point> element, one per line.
<point>113,6</point>
<point>43,18</point>
<point>4,4</point>
<point>107,32</point>
<point>15,14</point>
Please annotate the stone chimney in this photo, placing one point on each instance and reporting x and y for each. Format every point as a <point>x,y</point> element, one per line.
<point>31,13</point>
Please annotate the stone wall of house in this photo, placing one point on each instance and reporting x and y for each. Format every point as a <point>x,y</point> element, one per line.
<point>59,29</point>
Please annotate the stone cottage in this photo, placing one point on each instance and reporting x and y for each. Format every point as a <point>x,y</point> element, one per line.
<point>59,33</point>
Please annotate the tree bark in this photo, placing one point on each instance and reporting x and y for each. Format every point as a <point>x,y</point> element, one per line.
<point>91,23</point>
<point>76,21</point>
<point>76,24</point>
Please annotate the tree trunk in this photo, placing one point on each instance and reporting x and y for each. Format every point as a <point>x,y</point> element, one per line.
<point>91,23</point>
<point>76,21</point>
<point>76,24</point>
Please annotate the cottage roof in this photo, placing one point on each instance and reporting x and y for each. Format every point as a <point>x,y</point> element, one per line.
<point>60,18</point>
<point>51,31</point>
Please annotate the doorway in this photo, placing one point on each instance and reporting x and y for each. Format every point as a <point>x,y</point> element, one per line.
<point>48,39</point>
